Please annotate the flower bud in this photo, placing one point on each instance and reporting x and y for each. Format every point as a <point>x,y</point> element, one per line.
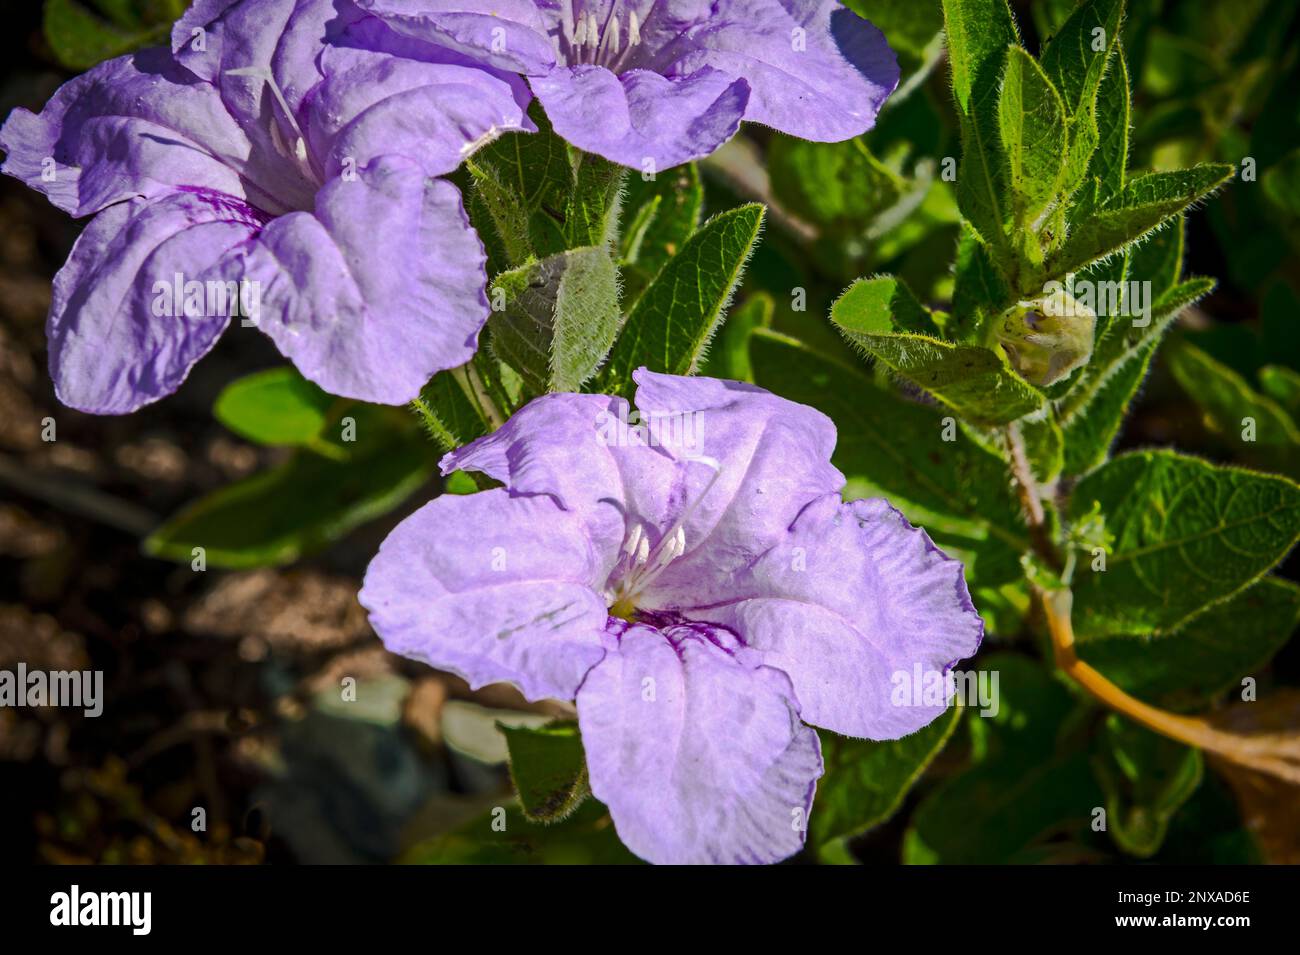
<point>1047,338</point>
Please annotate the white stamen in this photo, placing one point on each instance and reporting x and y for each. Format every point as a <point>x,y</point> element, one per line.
<point>633,539</point>
<point>613,35</point>
<point>674,547</point>
<point>593,31</point>
<point>642,551</point>
<point>264,74</point>
<point>633,29</point>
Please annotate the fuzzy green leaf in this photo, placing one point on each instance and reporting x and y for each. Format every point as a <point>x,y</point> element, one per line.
<point>865,781</point>
<point>1192,667</point>
<point>548,768</point>
<point>1023,786</point>
<point>1031,118</point>
<point>559,318</point>
<point>1147,203</point>
<point>882,317</point>
<point>979,33</point>
<point>1146,779</point>
<point>671,324</point>
<point>1186,534</point>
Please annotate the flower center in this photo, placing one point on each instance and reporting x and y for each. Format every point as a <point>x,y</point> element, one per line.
<point>292,145</point>
<point>640,564</point>
<point>600,41</point>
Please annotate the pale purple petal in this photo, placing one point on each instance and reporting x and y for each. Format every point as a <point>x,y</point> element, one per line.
<point>377,290</point>
<point>116,337</point>
<point>556,445</point>
<point>852,604</point>
<point>434,114</point>
<point>700,757</point>
<point>815,69</point>
<point>255,52</point>
<point>773,458</point>
<point>493,588</point>
<point>639,118</point>
<point>508,34</point>
<point>137,125</point>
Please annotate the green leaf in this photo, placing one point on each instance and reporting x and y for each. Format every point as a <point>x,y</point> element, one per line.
<point>277,516</point>
<point>882,317</point>
<point>897,448</point>
<point>592,213</point>
<point>587,837</point>
<point>1109,164</point>
<point>659,216</point>
<point>1282,385</point>
<point>1031,118</point>
<point>526,183</point>
<point>1146,779</point>
<point>559,317</point>
<point>83,33</point>
<point>1075,57</point>
<point>1209,655</point>
<point>1089,433</point>
<point>548,768</point>
<point>980,294</point>
<point>729,355</point>
<point>672,322</point>
<point>1229,402</point>
<point>1024,784</point>
<point>274,407</point>
<point>838,185</point>
<point>1186,534</point>
<point>447,414</point>
<point>865,781</point>
<point>1147,203</point>
<point>979,33</point>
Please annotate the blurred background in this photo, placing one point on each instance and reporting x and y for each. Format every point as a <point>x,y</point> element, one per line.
<point>226,688</point>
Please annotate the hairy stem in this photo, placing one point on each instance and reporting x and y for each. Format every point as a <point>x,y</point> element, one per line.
<point>1261,753</point>
<point>467,377</point>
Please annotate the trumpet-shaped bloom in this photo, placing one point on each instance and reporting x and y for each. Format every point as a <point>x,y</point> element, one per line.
<point>696,584</point>
<point>660,82</point>
<point>279,163</point>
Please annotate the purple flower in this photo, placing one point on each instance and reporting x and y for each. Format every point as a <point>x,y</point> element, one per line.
<point>667,81</point>
<point>282,158</point>
<point>695,583</point>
